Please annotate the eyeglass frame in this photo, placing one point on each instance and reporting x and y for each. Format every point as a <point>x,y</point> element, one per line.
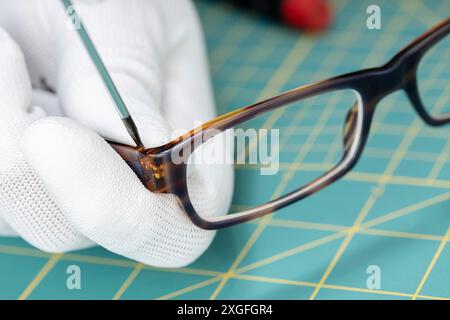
<point>159,174</point>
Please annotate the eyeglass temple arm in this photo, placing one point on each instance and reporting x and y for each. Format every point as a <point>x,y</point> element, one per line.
<point>114,93</point>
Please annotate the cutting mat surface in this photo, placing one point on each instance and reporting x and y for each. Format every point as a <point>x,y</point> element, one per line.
<point>314,249</point>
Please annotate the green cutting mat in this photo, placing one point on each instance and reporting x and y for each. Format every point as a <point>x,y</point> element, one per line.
<point>315,249</point>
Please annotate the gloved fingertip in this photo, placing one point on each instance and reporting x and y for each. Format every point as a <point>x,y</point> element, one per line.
<point>153,130</point>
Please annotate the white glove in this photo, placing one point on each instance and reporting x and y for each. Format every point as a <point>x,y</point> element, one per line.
<point>61,185</point>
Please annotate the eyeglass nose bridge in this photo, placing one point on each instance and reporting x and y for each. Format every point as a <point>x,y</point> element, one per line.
<point>390,78</point>
<point>398,74</point>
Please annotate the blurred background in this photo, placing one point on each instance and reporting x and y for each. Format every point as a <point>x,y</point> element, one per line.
<point>380,233</point>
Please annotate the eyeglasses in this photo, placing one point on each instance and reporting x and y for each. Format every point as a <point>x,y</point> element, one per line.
<point>315,134</point>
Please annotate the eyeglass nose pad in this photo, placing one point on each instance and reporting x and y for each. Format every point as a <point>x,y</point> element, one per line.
<point>350,127</point>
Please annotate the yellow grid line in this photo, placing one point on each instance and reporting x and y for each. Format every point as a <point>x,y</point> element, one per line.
<point>392,129</point>
<point>400,234</point>
<point>337,143</point>
<point>133,275</point>
<point>286,176</point>
<point>294,224</point>
<point>366,208</point>
<point>432,263</point>
<point>407,141</point>
<point>375,152</point>
<point>360,176</point>
<point>111,262</point>
<point>39,254</point>
<point>313,285</point>
<point>407,210</point>
<point>189,288</point>
<point>294,251</point>
<point>256,55</point>
<point>220,54</point>
<point>276,82</point>
<point>211,14</point>
<point>391,168</point>
<point>218,275</point>
<point>216,278</point>
<point>441,161</point>
<point>365,226</point>
<point>412,155</point>
<point>434,172</point>
<point>334,148</point>
<point>444,155</point>
<point>262,279</point>
<point>298,224</point>
<point>125,263</point>
<point>273,119</point>
<point>376,221</point>
<point>40,276</point>
<point>427,16</point>
<point>399,180</point>
<point>273,84</point>
<point>54,258</point>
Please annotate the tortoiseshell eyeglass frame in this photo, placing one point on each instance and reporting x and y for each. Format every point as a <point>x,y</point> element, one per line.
<point>160,174</point>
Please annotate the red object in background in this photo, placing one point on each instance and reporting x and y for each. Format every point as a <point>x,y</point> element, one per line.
<point>312,15</point>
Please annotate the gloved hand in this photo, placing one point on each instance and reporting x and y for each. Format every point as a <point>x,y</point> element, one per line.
<point>61,185</point>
